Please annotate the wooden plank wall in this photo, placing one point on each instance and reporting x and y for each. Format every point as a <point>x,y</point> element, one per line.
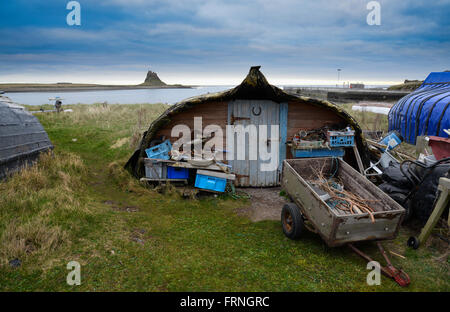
<point>211,113</point>
<point>307,116</point>
<point>300,116</point>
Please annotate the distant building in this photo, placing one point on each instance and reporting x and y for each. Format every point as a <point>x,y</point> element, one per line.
<point>356,86</point>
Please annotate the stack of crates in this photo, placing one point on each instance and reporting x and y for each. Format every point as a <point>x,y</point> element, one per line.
<point>156,169</point>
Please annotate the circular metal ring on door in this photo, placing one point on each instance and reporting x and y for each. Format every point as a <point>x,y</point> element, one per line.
<point>259,110</point>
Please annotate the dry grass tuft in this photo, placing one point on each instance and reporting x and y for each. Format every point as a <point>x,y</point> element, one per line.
<point>34,204</point>
<point>368,120</point>
<point>118,175</point>
<point>32,238</point>
<point>122,178</point>
<point>135,139</point>
<point>109,116</point>
<point>119,143</point>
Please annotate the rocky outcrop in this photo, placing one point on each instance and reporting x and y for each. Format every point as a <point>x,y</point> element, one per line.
<point>152,79</point>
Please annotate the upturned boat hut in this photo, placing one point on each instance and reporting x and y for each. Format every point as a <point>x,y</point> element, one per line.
<point>253,102</point>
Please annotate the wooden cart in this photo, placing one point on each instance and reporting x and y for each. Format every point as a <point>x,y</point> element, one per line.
<point>309,211</point>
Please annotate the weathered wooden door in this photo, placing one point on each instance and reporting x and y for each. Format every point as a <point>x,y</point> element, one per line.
<point>265,139</point>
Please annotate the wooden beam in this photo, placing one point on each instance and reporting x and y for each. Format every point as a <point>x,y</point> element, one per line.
<point>382,146</point>
<point>183,164</point>
<point>441,204</point>
<point>376,144</point>
<point>358,159</point>
<point>405,156</point>
<point>163,180</point>
<point>190,166</point>
<point>216,174</point>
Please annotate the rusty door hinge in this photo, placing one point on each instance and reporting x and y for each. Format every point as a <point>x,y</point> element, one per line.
<point>233,119</point>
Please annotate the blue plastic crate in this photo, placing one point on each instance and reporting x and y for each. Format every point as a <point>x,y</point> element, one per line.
<point>391,140</point>
<point>210,183</point>
<point>160,151</point>
<point>319,152</point>
<point>341,138</point>
<point>177,173</point>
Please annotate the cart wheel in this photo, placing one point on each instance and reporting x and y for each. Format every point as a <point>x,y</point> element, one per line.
<point>292,221</point>
<point>413,242</point>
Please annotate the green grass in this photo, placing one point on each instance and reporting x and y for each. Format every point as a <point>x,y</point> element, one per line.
<point>406,86</point>
<point>72,206</point>
<point>372,121</point>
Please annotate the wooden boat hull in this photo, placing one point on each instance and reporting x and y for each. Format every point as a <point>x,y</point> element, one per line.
<point>22,137</point>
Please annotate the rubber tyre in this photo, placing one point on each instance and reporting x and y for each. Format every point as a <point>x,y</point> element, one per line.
<point>413,242</point>
<point>400,199</point>
<point>292,221</point>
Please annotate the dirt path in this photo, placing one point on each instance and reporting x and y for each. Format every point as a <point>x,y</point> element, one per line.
<point>266,203</point>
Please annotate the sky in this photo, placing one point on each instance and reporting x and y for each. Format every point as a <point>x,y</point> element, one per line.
<point>210,42</point>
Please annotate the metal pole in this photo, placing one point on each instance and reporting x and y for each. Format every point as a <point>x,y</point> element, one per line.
<point>339,74</point>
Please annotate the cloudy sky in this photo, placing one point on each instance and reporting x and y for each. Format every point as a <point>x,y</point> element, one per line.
<point>216,41</point>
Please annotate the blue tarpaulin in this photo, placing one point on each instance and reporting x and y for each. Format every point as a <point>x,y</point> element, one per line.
<point>425,111</point>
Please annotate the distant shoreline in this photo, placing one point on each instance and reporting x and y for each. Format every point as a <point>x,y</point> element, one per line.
<point>11,88</point>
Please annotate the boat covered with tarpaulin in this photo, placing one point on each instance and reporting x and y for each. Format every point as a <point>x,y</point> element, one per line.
<point>425,111</point>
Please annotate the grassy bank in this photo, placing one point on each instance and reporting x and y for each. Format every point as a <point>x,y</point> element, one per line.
<point>372,121</point>
<point>80,205</point>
